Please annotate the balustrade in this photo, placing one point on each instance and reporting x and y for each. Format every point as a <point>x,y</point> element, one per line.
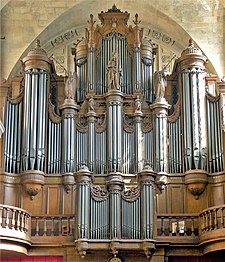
<point>14,218</point>
<point>177,225</point>
<point>212,219</point>
<point>52,225</point>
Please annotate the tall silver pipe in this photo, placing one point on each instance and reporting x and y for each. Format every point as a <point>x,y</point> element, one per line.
<point>15,136</point>
<point>33,127</point>
<point>11,138</point>
<point>19,137</point>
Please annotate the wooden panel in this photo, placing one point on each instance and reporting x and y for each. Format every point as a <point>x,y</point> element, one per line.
<point>193,205</point>
<point>217,193</point>
<point>177,199</point>
<point>10,193</point>
<point>161,202</point>
<point>53,200</point>
<point>33,206</point>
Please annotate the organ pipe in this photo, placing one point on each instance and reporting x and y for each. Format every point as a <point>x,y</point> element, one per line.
<point>33,148</point>
<point>91,135</point>
<point>160,110</point>
<point>37,68</point>
<point>146,178</point>
<point>194,112</point>
<point>83,177</point>
<point>138,136</point>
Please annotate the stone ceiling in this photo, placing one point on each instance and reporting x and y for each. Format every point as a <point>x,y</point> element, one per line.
<point>167,22</point>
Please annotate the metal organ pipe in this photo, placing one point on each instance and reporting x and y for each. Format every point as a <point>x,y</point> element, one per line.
<point>115,135</point>
<point>160,111</point>
<point>34,119</point>
<point>192,66</point>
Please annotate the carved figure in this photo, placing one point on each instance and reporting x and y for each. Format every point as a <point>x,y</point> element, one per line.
<point>91,104</point>
<point>114,75</point>
<point>159,84</point>
<point>138,104</point>
<point>70,86</point>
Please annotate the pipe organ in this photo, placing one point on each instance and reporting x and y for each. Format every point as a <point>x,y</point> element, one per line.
<point>118,130</point>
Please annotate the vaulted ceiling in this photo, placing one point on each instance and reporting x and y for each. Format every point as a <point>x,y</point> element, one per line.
<point>169,23</point>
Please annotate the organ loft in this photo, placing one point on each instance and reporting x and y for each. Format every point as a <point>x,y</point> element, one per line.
<point>115,160</point>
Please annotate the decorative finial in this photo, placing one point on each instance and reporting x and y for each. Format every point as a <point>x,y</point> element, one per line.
<point>91,22</point>
<point>191,43</point>
<point>136,21</point>
<point>114,9</point>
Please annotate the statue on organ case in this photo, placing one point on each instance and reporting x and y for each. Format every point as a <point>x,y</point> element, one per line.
<point>114,75</point>
<point>159,84</point>
<point>70,86</point>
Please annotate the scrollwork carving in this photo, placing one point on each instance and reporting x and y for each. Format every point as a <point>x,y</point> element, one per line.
<point>128,123</point>
<point>176,112</point>
<point>100,123</point>
<point>99,194</point>
<point>147,123</point>
<point>52,114</point>
<point>212,98</point>
<point>18,99</point>
<point>82,123</point>
<point>131,194</point>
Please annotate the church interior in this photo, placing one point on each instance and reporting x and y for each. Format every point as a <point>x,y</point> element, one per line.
<point>112,130</point>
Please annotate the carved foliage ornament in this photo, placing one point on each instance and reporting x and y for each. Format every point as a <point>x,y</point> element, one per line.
<point>147,123</point>
<point>82,123</point>
<point>100,123</point>
<point>98,193</point>
<point>131,194</point>
<point>173,118</point>
<point>52,114</point>
<point>128,123</point>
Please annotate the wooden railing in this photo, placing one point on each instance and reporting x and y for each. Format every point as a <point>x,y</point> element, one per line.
<point>14,230</point>
<point>54,226</point>
<point>212,219</point>
<point>14,218</point>
<point>177,225</point>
